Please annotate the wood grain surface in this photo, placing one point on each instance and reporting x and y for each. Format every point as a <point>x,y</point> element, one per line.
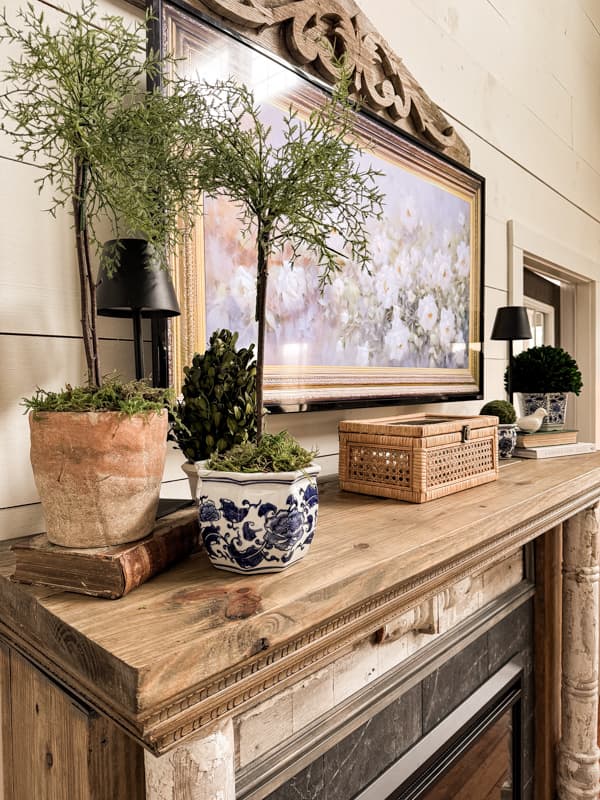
<point>62,750</point>
<point>195,643</point>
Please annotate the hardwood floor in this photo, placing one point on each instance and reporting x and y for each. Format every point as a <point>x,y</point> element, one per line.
<point>483,772</point>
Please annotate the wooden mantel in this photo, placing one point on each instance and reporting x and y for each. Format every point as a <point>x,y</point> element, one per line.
<point>191,646</point>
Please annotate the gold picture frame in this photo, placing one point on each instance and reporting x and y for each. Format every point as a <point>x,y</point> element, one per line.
<point>410,331</point>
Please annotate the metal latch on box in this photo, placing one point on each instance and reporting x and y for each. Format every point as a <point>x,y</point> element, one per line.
<point>466,433</point>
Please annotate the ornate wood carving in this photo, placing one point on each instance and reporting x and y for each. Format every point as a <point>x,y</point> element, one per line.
<point>306,31</point>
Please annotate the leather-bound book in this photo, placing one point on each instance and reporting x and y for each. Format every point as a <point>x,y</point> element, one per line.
<point>109,572</point>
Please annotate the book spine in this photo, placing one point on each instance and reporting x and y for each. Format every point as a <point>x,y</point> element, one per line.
<point>68,574</point>
<point>159,553</point>
<point>554,451</point>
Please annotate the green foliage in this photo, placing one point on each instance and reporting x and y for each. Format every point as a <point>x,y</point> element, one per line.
<point>77,93</point>
<point>308,192</point>
<point>75,103</point>
<point>218,409</point>
<point>277,452</point>
<point>545,369</point>
<point>133,397</point>
<point>502,409</point>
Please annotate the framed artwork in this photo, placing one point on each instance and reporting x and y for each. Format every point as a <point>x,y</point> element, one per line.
<point>408,331</point>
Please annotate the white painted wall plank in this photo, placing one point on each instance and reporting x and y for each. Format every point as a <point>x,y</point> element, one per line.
<point>521,81</point>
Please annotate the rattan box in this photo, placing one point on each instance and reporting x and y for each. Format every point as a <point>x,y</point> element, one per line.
<point>417,457</point>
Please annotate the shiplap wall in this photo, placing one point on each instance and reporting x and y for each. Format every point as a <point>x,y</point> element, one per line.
<point>518,79</point>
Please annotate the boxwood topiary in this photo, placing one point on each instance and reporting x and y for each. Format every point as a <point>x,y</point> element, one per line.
<point>544,369</point>
<point>218,409</point>
<point>502,409</point>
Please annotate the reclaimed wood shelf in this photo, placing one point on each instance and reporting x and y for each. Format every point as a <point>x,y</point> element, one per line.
<point>195,644</point>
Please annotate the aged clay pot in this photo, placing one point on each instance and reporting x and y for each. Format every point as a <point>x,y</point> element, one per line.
<point>98,474</point>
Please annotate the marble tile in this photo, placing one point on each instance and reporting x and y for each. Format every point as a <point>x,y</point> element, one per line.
<point>363,755</point>
<point>513,634</point>
<point>454,681</point>
<point>306,785</point>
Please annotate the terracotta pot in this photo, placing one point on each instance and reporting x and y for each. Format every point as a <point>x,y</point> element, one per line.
<point>98,474</point>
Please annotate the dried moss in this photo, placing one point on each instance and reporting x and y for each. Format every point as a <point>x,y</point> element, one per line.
<point>278,452</point>
<point>132,397</point>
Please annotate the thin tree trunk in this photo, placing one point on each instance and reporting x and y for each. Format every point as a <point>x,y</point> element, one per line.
<point>93,316</point>
<point>262,274</point>
<point>86,283</point>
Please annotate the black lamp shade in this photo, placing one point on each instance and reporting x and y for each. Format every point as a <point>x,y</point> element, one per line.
<point>138,288</point>
<point>138,283</point>
<point>511,323</point>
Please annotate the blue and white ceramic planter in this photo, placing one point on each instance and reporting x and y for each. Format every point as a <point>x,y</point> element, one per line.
<point>555,404</point>
<point>507,439</point>
<point>257,522</point>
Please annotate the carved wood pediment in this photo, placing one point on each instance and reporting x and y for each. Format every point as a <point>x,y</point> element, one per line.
<point>304,31</point>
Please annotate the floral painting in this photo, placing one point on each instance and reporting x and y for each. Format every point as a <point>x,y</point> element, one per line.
<point>409,329</point>
<point>412,310</point>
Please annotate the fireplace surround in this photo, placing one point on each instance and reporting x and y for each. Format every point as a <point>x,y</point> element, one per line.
<point>194,665</point>
<point>449,696</point>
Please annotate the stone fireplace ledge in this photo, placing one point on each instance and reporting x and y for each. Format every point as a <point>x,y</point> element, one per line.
<point>195,646</point>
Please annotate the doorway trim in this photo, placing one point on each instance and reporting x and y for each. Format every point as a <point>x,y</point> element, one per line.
<point>527,247</point>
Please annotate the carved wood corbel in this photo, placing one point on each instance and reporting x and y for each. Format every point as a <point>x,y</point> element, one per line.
<point>306,32</point>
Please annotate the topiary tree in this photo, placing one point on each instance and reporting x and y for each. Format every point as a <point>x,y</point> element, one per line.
<point>218,409</point>
<point>544,369</point>
<point>76,102</point>
<point>298,194</point>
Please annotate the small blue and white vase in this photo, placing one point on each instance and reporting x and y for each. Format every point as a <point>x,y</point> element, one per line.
<point>555,404</point>
<point>257,522</point>
<point>507,440</point>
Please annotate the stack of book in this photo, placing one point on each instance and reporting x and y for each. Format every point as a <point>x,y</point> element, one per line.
<point>550,444</point>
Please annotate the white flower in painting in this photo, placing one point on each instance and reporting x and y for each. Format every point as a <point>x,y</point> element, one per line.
<point>428,272</point>
<point>427,312</point>
<point>362,355</point>
<point>463,259</point>
<point>386,286</point>
<point>415,256</point>
<point>408,213</point>
<point>243,290</point>
<point>446,238</point>
<point>410,296</point>
<point>447,327</point>
<point>334,292</point>
<point>443,270</point>
<point>461,219</point>
<point>290,288</point>
<point>379,245</point>
<point>396,340</point>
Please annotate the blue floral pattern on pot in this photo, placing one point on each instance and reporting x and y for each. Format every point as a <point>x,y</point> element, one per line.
<point>507,440</point>
<point>259,522</point>
<point>555,404</point>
